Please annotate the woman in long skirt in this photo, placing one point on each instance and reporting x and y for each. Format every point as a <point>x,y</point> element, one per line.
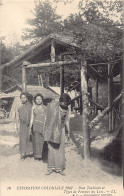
<point>56,120</point>
<point>23,115</point>
<point>37,126</point>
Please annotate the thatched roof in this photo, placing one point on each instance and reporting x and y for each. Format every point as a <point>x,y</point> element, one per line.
<point>41,52</point>
<point>46,42</point>
<point>33,90</point>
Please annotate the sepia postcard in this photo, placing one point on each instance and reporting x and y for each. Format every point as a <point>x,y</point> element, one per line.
<point>61,98</point>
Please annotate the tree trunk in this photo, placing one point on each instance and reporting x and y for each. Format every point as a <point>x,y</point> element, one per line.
<point>85,114</point>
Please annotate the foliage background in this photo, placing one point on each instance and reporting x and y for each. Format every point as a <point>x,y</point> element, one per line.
<point>94,28</point>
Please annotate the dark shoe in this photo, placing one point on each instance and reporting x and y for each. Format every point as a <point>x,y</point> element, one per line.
<point>49,172</point>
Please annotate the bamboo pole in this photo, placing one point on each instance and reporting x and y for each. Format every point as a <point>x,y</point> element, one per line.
<point>57,63</point>
<point>85,105</point>
<point>75,86</point>
<point>96,104</point>
<point>99,117</point>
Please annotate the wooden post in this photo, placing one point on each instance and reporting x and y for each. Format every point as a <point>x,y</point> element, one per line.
<point>0,72</point>
<point>85,103</point>
<point>61,79</point>
<point>53,55</point>
<point>110,96</point>
<point>41,80</point>
<point>23,78</point>
<point>48,81</point>
<point>81,105</point>
<point>122,110</point>
<point>25,63</point>
<point>80,98</point>
<point>61,76</point>
<point>96,94</point>
<point>113,119</point>
<point>112,112</point>
<point>75,103</point>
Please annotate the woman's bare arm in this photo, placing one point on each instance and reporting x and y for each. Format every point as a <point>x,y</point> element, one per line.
<point>67,124</point>
<point>32,119</point>
<point>17,120</point>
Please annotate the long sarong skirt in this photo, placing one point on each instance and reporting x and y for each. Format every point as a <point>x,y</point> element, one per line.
<point>56,154</point>
<point>25,147</point>
<point>38,140</point>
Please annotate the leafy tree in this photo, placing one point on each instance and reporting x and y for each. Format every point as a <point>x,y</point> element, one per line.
<point>44,22</point>
<point>100,12</point>
<point>95,31</point>
<point>7,54</point>
<point>105,13</point>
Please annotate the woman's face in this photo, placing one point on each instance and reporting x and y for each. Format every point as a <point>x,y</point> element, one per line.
<point>23,99</point>
<point>39,100</point>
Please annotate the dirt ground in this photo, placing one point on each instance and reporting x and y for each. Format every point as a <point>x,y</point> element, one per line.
<point>29,172</point>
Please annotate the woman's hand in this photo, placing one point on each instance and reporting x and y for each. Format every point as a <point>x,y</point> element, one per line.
<point>30,131</point>
<point>29,135</point>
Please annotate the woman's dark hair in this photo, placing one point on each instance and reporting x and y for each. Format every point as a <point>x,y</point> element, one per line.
<point>65,98</point>
<point>23,93</point>
<point>28,96</point>
<point>38,95</point>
